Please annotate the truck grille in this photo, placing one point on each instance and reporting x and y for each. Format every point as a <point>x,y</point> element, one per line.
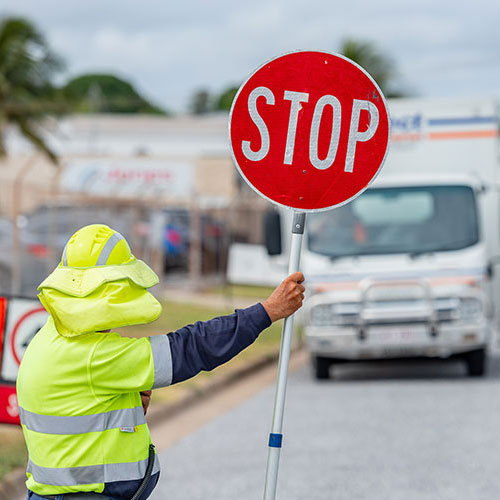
<point>391,312</point>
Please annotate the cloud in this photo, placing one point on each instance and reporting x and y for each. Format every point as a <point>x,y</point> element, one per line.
<point>171,48</point>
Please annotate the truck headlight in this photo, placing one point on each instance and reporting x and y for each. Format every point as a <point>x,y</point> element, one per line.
<point>321,315</point>
<point>341,314</point>
<point>470,308</point>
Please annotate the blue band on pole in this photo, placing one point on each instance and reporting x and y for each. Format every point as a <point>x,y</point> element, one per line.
<point>275,440</point>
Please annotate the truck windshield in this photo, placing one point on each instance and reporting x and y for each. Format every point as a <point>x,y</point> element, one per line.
<point>414,220</point>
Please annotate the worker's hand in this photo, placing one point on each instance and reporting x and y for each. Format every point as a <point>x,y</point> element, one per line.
<point>145,399</point>
<point>286,298</point>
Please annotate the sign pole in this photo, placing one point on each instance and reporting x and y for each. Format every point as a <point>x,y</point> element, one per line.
<point>276,437</point>
<point>279,149</point>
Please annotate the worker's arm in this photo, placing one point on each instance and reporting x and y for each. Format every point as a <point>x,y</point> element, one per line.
<point>117,364</point>
<point>208,344</point>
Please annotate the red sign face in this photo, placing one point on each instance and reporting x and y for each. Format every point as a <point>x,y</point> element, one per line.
<point>309,130</point>
<point>9,410</point>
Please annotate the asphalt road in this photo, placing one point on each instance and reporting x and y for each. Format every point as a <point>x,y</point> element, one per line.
<point>402,431</point>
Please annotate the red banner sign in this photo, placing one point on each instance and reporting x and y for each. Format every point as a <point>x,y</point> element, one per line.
<point>9,411</point>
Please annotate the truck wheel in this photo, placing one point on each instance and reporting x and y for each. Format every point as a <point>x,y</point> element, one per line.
<point>476,362</point>
<point>321,368</point>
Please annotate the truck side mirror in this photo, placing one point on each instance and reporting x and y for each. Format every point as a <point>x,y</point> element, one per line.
<point>490,268</point>
<point>272,232</point>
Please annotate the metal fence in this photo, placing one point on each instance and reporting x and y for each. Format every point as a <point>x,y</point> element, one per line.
<point>186,243</point>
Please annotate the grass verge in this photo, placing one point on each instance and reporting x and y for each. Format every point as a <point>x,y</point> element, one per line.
<point>247,291</point>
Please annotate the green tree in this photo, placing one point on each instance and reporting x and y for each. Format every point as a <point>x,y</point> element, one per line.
<point>105,93</point>
<point>380,66</point>
<point>27,93</point>
<point>225,99</point>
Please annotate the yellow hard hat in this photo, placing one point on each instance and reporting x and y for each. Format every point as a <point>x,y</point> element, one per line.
<point>96,245</point>
<point>98,285</point>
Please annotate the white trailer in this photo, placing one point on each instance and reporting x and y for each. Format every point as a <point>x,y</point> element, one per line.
<point>409,268</point>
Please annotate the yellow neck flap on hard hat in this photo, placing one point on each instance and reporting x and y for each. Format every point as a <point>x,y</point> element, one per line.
<point>85,300</point>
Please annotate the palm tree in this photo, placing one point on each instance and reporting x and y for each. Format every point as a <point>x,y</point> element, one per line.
<point>27,94</point>
<point>380,66</point>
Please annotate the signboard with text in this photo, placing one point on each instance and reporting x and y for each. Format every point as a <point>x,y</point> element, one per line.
<point>129,177</point>
<point>309,130</point>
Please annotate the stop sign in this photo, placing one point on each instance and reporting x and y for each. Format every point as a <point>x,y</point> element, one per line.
<point>309,130</point>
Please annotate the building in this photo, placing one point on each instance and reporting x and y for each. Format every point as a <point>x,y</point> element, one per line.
<point>178,160</point>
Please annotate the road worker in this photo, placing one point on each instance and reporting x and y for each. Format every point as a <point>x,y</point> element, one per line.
<point>83,390</point>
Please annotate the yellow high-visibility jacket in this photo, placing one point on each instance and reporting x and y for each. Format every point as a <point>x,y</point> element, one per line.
<point>81,410</point>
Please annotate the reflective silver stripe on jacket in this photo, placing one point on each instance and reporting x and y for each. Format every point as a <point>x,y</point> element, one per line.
<point>91,474</point>
<point>81,424</point>
<point>162,358</point>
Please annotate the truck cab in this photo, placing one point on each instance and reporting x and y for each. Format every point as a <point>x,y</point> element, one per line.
<point>401,271</point>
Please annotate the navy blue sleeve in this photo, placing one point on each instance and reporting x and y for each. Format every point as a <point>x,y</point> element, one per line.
<point>208,344</point>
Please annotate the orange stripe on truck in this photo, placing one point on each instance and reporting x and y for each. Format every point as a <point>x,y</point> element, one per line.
<point>476,134</point>
<point>353,285</point>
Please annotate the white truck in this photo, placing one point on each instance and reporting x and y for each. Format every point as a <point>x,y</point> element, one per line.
<point>409,268</point>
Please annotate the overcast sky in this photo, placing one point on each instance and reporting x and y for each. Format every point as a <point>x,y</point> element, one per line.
<point>168,49</point>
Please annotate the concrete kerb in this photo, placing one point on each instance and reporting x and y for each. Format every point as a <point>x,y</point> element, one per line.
<point>12,485</point>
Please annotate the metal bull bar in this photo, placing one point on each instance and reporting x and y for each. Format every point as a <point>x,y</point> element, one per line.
<point>397,291</point>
